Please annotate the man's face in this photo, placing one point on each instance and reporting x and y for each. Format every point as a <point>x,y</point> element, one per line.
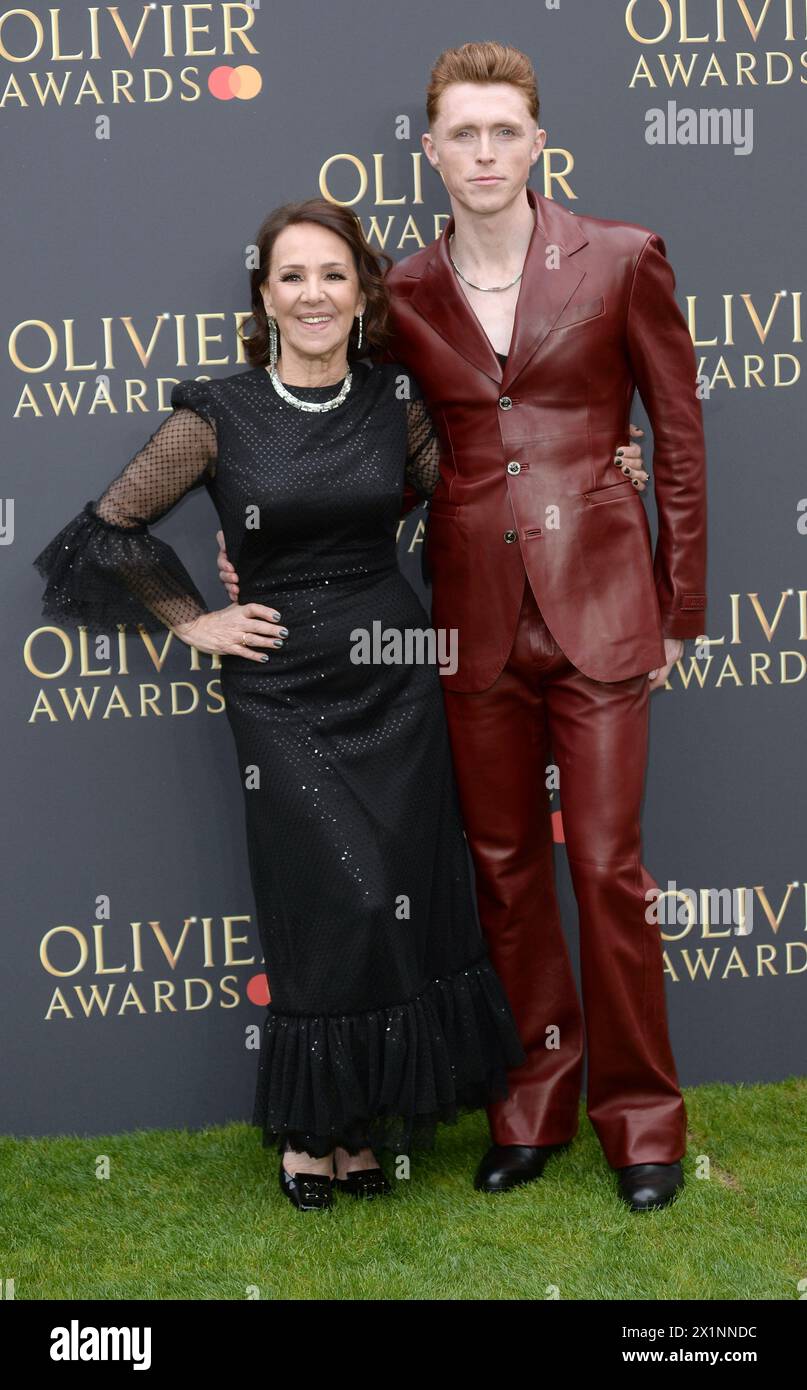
<point>483,143</point>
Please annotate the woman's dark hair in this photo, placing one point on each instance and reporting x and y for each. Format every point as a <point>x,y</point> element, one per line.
<point>371,266</point>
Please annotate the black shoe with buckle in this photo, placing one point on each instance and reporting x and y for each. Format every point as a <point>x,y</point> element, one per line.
<point>364,1182</point>
<point>645,1186</point>
<point>307,1191</point>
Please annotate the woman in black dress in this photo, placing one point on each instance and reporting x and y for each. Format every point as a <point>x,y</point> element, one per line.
<point>386,1015</point>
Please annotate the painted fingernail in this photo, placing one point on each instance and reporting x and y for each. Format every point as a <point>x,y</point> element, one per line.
<point>264,657</point>
<point>285,631</point>
<point>617,463</point>
<point>619,453</point>
<point>276,617</point>
<point>279,642</point>
<point>635,482</point>
<point>626,470</point>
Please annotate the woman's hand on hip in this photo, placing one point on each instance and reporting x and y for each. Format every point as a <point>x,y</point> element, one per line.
<point>242,629</point>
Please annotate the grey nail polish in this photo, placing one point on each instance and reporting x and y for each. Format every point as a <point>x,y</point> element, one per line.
<point>278,641</point>
<point>264,657</point>
<point>284,631</point>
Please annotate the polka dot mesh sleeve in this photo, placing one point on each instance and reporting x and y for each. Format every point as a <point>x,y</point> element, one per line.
<point>104,567</point>
<point>423,449</point>
<point>422,468</point>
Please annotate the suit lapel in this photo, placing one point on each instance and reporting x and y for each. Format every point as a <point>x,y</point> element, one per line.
<point>544,293</point>
<point>550,278</point>
<point>440,301</point>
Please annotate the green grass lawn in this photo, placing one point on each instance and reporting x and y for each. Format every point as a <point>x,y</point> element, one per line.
<point>199,1215</point>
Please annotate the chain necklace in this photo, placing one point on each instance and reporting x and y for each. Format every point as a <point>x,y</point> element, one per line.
<point>317,406</point>
<point>486,289</point>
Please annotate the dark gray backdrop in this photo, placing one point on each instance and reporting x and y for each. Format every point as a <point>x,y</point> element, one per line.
<point>153,219</point>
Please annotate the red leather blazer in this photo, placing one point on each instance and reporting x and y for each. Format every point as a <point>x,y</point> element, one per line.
<point>526,473</point>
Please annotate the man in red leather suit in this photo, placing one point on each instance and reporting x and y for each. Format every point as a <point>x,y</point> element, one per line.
<point>540,556</point>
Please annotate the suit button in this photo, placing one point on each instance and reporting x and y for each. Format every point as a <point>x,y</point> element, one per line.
<point>514,467</point>
<point>510,536</point>
<point>505,402</point>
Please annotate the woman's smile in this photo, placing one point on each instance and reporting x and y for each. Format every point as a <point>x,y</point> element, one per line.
<point>316,322</point>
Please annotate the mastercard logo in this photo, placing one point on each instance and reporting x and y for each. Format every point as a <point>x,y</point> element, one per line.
<point>243,82</point>
<point>257,990</point>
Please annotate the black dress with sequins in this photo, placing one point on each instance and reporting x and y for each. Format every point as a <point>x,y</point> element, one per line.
<point>386,1015</point>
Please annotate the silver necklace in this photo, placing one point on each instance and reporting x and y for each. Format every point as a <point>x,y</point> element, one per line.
<point>486,289</point>
<point>317,406</point>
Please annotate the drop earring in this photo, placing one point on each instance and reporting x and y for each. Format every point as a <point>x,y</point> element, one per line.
<point>272,344</point>
<point>361,325</point>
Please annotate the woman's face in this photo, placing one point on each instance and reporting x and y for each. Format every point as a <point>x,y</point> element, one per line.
<point>313,290</point>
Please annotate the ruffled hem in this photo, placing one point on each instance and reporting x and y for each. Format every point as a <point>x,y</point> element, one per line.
<point>100,574</point>
<point>385,1079</point>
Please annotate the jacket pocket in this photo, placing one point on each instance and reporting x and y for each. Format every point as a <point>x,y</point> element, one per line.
<point>575,314</point>
<point>614,492</point>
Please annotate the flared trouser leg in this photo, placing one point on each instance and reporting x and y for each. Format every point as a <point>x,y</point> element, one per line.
<point>542,710</point>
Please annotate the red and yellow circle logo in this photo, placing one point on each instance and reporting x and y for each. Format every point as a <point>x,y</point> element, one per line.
<point>243,82</point>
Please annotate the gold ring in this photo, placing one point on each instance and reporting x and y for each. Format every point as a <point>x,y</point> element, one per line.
<point>244,639</point>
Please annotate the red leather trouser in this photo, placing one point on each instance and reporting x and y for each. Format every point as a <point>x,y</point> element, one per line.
<point>542,710</point>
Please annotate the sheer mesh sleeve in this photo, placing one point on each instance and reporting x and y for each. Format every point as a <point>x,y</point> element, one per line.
<point>422,468</point>
<point>423,452</point>
<point>104,567</point>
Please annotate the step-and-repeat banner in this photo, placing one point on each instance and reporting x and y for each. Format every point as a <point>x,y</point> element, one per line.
<point>143,144</point>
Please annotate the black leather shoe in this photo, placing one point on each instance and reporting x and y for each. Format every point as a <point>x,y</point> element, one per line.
<point>645,1186</point>
<point>509,1165</point>
<point>307,1191</point>
<point>364,1182</point>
